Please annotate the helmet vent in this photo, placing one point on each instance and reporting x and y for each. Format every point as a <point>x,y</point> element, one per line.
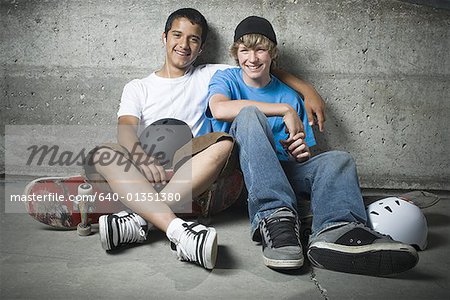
<point>374,213</point>
<point>398,202</point>
<point>388,208</point>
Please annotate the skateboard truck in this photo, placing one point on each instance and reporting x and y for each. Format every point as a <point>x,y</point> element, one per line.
<point>84,228</point>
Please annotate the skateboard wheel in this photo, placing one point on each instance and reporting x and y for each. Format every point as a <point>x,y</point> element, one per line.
<point>83,230</point>
<point>85,189</point>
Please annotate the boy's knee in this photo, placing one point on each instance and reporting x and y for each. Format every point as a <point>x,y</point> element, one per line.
<point>249,112</point>
<point>220,151</point>
<point>224,147</point>
<point>340,159</point>
<point>345,157</point>
<point>104,157</point>
<point>250,117</point>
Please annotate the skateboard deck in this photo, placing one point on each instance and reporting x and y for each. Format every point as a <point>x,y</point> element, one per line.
<point>73,203</point>
<point>421,199</point>
<point>225,192</point>
<point>66,202</point>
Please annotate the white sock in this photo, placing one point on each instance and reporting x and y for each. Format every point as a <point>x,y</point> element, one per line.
<point>175,229</point>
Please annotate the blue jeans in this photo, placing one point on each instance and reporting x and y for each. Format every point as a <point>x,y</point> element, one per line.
<point>330,178</point>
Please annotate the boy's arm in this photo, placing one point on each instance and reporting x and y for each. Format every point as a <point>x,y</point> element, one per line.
<point>223,109</point>
<point>313,101</point>
<point>127,137</point>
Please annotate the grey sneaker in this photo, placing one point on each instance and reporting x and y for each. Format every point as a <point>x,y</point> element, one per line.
<point>355,248</point>
<point>280,240</point>
<point>122,228</point>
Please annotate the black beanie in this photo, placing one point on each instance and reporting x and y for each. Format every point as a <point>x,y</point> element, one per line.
<point>257,25</point>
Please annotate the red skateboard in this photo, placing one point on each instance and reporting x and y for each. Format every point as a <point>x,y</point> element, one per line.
<point>67,203</point>
<point>221,195</point>
<point>73,203</point>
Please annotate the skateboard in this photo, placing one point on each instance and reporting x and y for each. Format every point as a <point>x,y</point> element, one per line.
<point>73,203</point>
<point>67,203</point>
<point>224,193</point>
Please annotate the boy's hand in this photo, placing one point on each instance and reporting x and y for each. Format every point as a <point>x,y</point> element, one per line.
<point>297,147</point>
<point>315,108</point>
<point>151,168</point>
<point>293,123</point>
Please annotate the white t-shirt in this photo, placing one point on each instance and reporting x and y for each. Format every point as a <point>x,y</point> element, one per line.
<point>183,98</point>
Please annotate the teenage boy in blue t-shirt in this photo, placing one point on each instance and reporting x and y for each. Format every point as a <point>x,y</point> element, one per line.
<point>269,123</point>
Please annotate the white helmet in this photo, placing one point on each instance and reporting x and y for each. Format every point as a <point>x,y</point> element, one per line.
<point>400,219</point>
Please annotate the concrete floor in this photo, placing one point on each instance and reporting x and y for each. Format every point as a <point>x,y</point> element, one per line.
<point>40,263</point>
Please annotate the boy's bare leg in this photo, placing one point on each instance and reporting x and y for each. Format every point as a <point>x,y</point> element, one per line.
<point>203,171</point>
<point>130,182</point>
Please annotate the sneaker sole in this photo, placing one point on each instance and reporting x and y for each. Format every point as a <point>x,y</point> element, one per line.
<point>210,250</point>
<point>103,230</point>
<point>375,260</point>
<point>283,263</point>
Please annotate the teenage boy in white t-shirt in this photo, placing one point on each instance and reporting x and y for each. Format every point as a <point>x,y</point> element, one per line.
<point>179,91</point>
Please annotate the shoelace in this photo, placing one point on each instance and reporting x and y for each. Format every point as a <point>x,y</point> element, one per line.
<point>282,231</point>
<point>130,230</point>
<point>190,241</point>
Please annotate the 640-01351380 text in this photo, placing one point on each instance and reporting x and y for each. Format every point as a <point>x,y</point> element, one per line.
<point>140,197</point>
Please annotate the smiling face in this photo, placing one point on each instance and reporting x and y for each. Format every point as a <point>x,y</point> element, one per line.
<point>255,54</point>
<point>183,45</point>
<point>255,63</point>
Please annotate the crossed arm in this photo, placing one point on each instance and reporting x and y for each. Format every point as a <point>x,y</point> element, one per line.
<point>223,109</point>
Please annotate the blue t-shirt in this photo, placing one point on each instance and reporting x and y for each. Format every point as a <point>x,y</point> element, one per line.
<point>230,83</point>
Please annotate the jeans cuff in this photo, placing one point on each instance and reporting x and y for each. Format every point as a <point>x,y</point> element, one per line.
<point>254,226</point>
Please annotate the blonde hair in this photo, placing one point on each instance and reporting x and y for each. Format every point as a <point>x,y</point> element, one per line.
<point>253,40</point>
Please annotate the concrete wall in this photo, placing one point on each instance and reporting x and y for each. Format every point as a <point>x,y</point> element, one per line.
<point>381,66</point>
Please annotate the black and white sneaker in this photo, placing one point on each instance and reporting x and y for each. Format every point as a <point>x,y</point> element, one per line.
<point>280,240</point>
<point>355,248</point>
<point>122,228</point>
<point>197,243</point>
